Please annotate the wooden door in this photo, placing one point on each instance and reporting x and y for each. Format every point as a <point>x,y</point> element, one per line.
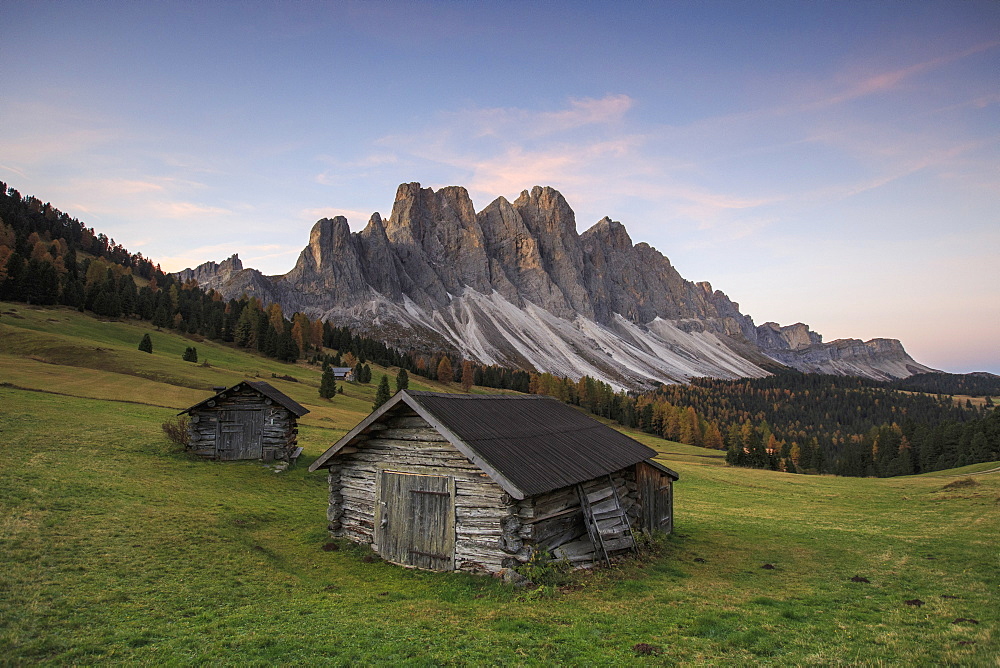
<point>417,520</point>
<point>656,497</point>
<point>241,434</point>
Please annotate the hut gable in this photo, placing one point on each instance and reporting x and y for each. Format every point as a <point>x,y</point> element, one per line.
<point>250,420</point>
<point>476,482</point>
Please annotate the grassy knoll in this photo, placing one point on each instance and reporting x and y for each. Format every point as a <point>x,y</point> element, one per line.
<point>115,547</point>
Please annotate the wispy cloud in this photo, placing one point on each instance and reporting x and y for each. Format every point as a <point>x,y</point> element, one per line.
<point>179,210</point>
<point>581,112</point>
<point>886,81</point>
<point>14,170</point>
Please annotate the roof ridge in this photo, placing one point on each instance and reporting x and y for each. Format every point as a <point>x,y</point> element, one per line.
<point>452,395</point>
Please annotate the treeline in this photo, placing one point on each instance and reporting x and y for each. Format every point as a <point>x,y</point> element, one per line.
<point>973,384</point>
<point>39,255</point>
<point>837,424</point>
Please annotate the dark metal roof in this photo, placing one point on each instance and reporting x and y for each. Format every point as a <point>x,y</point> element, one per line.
<point>266,389</point>
<point>527,444</point>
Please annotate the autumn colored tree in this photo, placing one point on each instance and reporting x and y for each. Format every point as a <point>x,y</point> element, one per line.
<point>316,334</point>
<point>444,371</point>
<point>276,317</point>
<point>300,328</point>
<point>689,426</point>
<point>713,437</point>
<point>468,375</point>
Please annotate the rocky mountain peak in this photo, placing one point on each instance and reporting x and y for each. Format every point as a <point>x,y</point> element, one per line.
<point>516,284</point>
<point>545,210</point>
<point>773,336</point>
<point>375,227</point>
<point>327,238</point>
<point>210,274</point>
<point>611,233</point>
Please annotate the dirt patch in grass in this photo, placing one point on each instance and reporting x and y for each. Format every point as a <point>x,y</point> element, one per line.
<point>645,649</point>
<point>961,483</point>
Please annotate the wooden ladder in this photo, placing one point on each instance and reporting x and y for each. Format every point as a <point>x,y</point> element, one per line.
<point>617,532</point>
<point>624,516</point>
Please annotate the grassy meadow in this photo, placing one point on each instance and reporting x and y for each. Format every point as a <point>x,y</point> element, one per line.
<point>117,547</point>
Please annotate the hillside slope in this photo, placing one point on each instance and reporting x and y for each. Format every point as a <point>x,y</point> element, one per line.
<point>116,547</point>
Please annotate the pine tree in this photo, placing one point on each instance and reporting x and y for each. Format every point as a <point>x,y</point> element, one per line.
<point>286,349</point>
<point>146,345</point>
<point>328,384</point>
<point>382,394</point>
<point>402,380</point>
<point>190,354</point>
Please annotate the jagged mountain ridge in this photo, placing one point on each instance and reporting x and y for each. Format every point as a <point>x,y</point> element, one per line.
<point>516,284</point>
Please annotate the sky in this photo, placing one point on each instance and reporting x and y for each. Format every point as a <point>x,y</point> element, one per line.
<point>833,163</point>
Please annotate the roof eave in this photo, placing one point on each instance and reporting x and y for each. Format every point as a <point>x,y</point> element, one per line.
<point>281,402</point>
<point>660,467</point>
<point>460,445</point>
<point>361,426</point>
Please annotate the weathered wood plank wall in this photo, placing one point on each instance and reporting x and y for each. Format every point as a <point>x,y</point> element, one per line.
<point>407,443</point>
<point>657,498</point>
<point>278,428</point>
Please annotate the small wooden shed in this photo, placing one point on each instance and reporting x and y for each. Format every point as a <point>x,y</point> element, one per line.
<point>343,373</point>
<point>250,420</point>
<point>483,482</point>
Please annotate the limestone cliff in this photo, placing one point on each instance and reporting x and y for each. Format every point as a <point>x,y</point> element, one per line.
<point>516,284</point>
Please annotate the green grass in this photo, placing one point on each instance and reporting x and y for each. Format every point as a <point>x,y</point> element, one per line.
<point>117,548</point>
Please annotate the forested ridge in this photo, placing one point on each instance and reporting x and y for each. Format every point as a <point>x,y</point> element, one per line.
<point>971,384</point>
<point>805,423</point>
<point>838,424</point>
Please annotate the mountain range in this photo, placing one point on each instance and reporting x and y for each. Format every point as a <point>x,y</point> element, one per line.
<point>515,284</point>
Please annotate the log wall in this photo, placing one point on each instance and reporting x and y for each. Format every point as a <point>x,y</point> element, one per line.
<point>279,426</point>
<point>557,523</point>
<point>408,444</point>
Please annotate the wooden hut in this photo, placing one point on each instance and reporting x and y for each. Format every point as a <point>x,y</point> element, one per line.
<point>343,373</point>
<point>250,420</point>
<point>481,483</point>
